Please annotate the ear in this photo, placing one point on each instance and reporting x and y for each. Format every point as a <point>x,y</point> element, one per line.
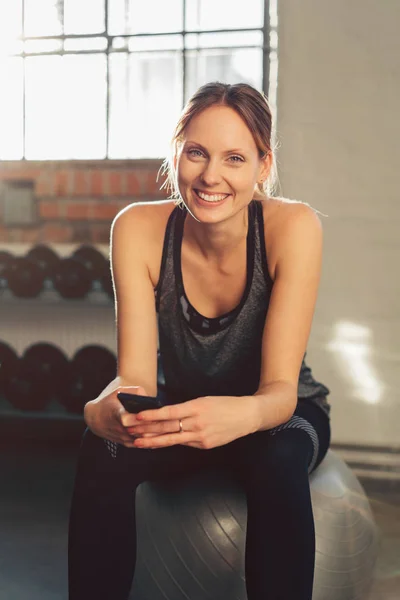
<point>265,168</point>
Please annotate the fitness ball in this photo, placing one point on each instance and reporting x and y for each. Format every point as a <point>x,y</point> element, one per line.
<point>191,537</point>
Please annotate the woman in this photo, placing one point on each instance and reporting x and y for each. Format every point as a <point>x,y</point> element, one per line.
<point>236,273</point>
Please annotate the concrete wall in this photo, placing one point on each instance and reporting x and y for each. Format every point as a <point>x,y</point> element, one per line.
<point>338,125</point>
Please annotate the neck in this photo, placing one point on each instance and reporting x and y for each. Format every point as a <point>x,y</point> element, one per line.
<point>216,242</point>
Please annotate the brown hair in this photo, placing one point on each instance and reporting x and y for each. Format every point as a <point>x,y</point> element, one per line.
<point>250,104</point>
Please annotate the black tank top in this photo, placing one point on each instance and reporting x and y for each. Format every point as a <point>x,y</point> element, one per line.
<point>221,356</point>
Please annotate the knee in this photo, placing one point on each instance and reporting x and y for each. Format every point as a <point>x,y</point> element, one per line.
<point>288,447</point>
<point>282,453</point>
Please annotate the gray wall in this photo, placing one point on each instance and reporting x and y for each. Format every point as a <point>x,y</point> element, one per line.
<point>338,125</point>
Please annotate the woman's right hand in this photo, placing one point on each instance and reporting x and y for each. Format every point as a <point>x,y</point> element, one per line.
<point>103,416</point>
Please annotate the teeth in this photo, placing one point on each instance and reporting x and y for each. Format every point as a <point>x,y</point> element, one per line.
<point>211,198</point>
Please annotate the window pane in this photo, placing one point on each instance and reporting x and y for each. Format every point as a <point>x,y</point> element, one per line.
<point>66,107</point>
<point>46,20</point>
<point>221,14</point>
<point>151,16</point>
<point>145,102</point>
<point>117,24</point>
<point>10,25</point>
<point>156,42</point>
<point>11,109</point>
<point>84,16</point>
<point>227,66</point>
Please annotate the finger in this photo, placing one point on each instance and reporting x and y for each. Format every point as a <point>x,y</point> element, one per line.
<point>157,427</point>
<point>126,439</point>
<point>128,419</point>
<point>122,434</point>
<point>168,413</point>
<point>162,427</point>
<point>129,444</point>
<point>121,440</point>
<point>161,441</point>
<point>123,416</point>
<point>118,435</point>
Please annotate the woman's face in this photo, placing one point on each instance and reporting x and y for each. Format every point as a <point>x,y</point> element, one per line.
<point>218,156</point>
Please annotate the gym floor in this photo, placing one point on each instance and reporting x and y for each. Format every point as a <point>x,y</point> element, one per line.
<point>34,506</point>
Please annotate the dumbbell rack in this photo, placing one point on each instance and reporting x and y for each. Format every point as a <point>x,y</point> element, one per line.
<point>67,323</point>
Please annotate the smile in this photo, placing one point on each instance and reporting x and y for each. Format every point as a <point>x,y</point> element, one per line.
<point>210,198</point>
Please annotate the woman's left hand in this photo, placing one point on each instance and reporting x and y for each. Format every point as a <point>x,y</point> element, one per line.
<point>207,422</point>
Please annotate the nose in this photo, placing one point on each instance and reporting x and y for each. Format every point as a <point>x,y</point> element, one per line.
<point>211,173</point>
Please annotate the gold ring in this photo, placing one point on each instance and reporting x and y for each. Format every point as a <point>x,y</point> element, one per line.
<point>180,426</point>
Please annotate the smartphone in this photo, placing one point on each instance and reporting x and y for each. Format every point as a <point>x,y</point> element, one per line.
<point>134,403</point>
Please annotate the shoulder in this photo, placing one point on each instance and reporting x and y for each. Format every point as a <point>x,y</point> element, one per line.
<point>291,227</point>
<point>284,216</point>
<point>146,220</point>
<point>145,212</point>
<point>140,227</point>
<point>282,213</point>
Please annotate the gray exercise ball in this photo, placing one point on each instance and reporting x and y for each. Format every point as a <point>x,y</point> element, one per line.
<point>191,537</point>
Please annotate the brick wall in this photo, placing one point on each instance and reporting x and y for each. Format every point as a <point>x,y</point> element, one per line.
<point>76,201</point>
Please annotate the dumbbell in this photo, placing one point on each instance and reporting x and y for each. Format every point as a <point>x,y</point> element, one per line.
<point>8,365</point>
<point>98,265</point>
<point>42,370</point>
<point>25,275</point>
<point>44,257</point>
<point>92,258</point>
<point>71,278</point>
<point>92,369</point>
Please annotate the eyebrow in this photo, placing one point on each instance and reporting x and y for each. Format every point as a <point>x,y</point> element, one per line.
<point>226,151</point>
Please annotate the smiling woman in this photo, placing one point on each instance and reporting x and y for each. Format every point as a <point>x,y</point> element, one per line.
<point>235,272</point>
<point>256,133</point>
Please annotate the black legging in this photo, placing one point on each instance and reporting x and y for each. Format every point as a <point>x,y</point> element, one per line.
<point>274,473</point>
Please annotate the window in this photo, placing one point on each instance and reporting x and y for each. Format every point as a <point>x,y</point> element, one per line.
<point>108,78</point>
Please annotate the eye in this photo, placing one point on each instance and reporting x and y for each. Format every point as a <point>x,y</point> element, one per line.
<point>194,150</point>
<point>240,159</point>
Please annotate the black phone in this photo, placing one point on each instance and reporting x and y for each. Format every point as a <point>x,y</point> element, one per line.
<point>135,403</point>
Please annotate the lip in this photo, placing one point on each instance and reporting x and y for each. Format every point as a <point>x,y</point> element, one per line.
<point>211,193</point>
<point>206,204</point>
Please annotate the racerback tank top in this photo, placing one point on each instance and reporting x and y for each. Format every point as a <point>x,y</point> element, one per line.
<point>200,356</point>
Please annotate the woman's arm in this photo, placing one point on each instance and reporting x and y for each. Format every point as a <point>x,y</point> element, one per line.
<point>298,248</point>
<point>136,319</point>
<point>136,323</point>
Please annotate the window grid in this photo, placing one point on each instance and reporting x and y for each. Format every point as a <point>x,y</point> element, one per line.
<point>266,51</point>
